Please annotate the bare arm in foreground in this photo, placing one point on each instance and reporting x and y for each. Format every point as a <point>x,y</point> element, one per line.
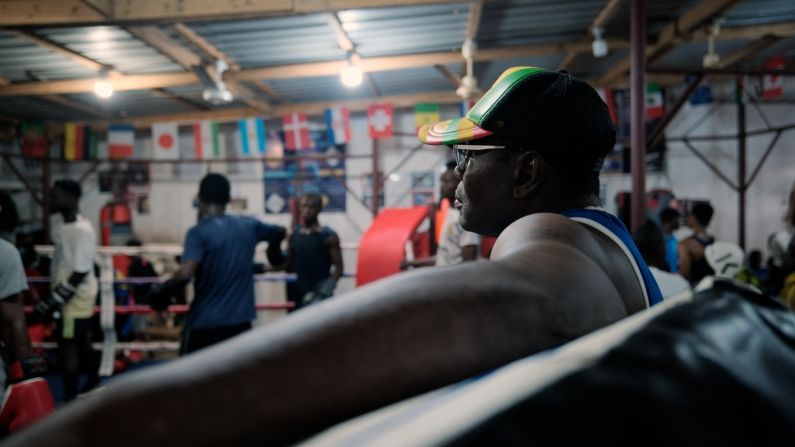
<point>380,343</point>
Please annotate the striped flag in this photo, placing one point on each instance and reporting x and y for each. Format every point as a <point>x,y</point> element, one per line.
<point>252,137</point>
<point>338,125</point>
<point>654,102</point>
<point>121,140</point>
<point>606,94</point>
<point>773,84</point>
<point>426,113</point>
<point>75,141</point>
<point>296,131</point>
<point>206,140</point>
<point>34,139</point>
<point>165,141</point>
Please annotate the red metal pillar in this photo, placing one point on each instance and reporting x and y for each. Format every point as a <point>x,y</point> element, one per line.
<point>376,179</point>
<point>45,197</point>
<point>638,109</point>
<point>742,185</point>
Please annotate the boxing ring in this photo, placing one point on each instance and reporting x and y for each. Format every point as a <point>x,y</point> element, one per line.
<point>108,309</point>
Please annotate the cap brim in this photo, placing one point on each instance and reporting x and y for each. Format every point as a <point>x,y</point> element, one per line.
<point>451,132</point>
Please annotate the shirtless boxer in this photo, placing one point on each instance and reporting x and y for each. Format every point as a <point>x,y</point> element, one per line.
<point>529,162</point>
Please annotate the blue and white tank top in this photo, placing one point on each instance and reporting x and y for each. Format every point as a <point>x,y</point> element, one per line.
<point>613,228</point>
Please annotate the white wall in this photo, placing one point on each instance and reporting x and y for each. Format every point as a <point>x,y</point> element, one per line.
<point>689,178</point>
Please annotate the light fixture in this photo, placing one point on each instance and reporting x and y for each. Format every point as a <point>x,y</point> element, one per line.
<point>712,59</point>
<point>103,88</point>
<point>599,45</point>
<point>395,177</point>
<point>351,76</point>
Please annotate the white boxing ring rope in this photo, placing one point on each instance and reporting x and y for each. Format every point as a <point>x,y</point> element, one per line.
<point>108,308</point>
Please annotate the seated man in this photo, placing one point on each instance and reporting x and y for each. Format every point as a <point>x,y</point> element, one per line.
<point>529,157</point>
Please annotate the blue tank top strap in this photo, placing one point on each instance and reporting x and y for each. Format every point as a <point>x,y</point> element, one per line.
<point>608,223</point>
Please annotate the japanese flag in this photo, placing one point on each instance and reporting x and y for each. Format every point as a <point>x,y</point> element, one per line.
<point>165,141</point>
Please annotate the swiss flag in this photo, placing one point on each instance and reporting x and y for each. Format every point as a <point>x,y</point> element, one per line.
<point>379,121</point>
<point>773,84</point>
<point>296,131</point>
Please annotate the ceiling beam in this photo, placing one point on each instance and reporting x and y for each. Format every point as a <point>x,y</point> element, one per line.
<point>599,22</point>
<point>782,29</point>
<point>41,13</point>
<point>688,22</point>
<point>454,80</point>
<point>194,38</point>
<point>265,88</point>
<point>315,108</point>
<point>183,56</point>
<point>120,83</point>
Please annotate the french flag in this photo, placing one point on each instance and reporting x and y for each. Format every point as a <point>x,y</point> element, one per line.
<point>338,125</point>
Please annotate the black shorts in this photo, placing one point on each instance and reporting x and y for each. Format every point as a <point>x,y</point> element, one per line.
<point>75,329</point>
<point>195,339</point>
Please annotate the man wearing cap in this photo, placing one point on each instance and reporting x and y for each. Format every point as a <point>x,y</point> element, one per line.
<point>529,154</point>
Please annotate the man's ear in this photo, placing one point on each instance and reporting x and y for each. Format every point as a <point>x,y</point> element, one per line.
<point>529,171</point>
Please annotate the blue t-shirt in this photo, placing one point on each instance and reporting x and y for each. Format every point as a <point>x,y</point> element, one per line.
<point>672,253</point>
<point>224,248</point>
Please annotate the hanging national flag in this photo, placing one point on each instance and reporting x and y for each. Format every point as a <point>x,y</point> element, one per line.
<point>338,125</point>
<point>206,140</point>
<point>606,93</point>
<point>654,102</point>
<point>34,139</point>
<point>379,120</point>
<point>121,140</point>
<point>702,94</point>
<point>165,141</point>
<point>296,131</point>
<point>91,146</point>
<point>466,105</point>
<point>773,84</point>
<point>426,113</point>
<point>74,141</point>
<point>253,139</point>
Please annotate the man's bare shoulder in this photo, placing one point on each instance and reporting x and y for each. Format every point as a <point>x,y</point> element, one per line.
<point>541,227</point>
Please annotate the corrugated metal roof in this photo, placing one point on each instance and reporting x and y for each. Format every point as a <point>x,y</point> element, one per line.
<point>692,54</point>
<point>318,88</point>
<point>111,45</point>
<point>526,22</point>
<point>20,57</point>
<point>760,12</point>
<point>586,66</point>
<point>404,30</point>
<point>411,80</point>
<point>133,103</point>
<point>659,14</point>
<point>273,41</point>
<point>488,72</point>
<point>784,47</point>
<point>38,108</point>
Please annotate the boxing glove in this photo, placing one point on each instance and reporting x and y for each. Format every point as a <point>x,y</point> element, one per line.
<point>25,403</point>
<point>27,368</point>
<point>51,306</point>
<point>158,298</point>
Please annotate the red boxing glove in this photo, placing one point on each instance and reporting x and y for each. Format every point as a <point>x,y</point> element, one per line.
<point>25,403</point>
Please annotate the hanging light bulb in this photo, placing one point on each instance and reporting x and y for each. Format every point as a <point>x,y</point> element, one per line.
<point>599,45</point>
<point>351,76</point>
<point>103,88</point>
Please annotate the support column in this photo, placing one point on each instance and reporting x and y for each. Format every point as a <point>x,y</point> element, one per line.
<point>638,112</point>
<point>45,196</point>
<point>742,185</point>
<point>376,179</point>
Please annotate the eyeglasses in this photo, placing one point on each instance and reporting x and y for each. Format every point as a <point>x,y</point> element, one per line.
<point>464,152</point>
